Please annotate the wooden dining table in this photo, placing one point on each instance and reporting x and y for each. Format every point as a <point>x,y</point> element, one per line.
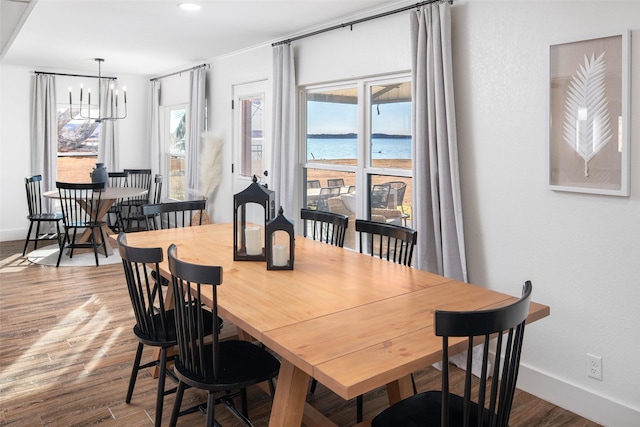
<point>108,197</point>
<point>351,321</point>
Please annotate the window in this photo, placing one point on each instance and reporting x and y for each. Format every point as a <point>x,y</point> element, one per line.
<point>77,145</point>
<point>358,136</point>
<point>175,135</point>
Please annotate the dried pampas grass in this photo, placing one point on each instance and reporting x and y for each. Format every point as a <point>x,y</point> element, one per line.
<point>210,163</point>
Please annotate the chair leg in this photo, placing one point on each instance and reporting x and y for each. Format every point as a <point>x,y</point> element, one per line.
<point>104,243</point>
<point>134,372</point>
<point>95,245</point>
<point>243,402</point>
<point>359,408</point>
<point>177,404</point>
<point>26,243</point>
<point>35,244</point>
<point>62,249</point>
<point>314,384</point>
<point>211,410</point>
<point>161,381</point>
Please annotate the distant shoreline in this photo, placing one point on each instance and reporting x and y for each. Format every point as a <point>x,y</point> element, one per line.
<point>354,136</point>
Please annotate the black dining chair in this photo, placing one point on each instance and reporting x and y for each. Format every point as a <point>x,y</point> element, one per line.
<point>327,227</point>
<point>174,214</point>
<point>155,326</point>
<point>387,241</point>
<point>227,367</point>
<point>115,180</point>
<point>80,206</point>
<point>136,214</point>
<point>36,215</point>
<point>493,394</point>
<point>137,178</point>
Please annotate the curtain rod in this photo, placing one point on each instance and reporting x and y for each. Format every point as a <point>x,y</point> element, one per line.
<point>75,75</point>
<point>357,21</point>
<point>180,72</point>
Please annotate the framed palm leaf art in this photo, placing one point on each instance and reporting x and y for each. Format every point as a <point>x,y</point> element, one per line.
<point>589,95</point>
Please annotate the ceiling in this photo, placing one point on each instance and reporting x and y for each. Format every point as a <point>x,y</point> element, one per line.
<point>152,37</point>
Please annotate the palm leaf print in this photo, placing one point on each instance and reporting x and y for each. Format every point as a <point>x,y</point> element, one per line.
<point>586,119</point>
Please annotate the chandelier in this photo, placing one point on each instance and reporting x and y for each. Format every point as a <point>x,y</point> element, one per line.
<point>111,102</point>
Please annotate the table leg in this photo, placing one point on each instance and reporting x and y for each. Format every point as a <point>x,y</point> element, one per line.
<point>399,389</point>
<point>86,237</point>
<point>291,392</point>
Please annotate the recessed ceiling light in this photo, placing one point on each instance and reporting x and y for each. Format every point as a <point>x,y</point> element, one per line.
<point>189,6</point>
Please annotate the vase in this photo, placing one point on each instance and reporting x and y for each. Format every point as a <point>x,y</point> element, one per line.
<point>99,174</point>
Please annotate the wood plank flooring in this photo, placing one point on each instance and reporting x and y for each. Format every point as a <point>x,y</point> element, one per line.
<point>66,350</point>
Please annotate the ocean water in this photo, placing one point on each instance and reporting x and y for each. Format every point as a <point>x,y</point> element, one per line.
<point>346,148</point>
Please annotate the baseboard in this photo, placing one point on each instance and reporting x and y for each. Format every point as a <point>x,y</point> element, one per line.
<point>573,398</point>
<point>11,235</point>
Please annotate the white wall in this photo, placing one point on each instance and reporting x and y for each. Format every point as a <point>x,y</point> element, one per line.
<point>582,252</point>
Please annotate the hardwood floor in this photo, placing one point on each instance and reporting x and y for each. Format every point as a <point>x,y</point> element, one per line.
<point>66,349</point>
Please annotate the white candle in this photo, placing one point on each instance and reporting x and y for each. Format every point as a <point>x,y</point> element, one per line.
<point>254,242</point>
<point>280,255</point>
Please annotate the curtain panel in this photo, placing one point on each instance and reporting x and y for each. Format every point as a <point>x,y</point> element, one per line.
<point>155,148</point>
<point>436,189</point>
<point>283,137</point>
<point>108,146</point>
<point>44,133</point>
<point>196,117</point>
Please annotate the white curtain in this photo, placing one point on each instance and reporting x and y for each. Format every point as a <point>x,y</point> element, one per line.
<point>107,145</point>
<point>155,149</point>
<point>284,142</point>
<point>436,189</point>
<point>197,82</point>
<point>44,133</point>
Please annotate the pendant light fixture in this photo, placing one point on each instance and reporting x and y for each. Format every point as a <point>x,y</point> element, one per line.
<point>111,106</point>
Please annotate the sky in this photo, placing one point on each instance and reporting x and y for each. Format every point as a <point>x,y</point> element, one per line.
<point>336,118</point>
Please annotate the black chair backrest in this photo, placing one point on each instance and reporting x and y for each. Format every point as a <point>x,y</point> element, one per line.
<point>118,179</point>
<point>79,203</point>
<point>188,280</point>
<point>34,194</point>
<point>139,178</point>
<point>174,214</point>
<point>157,191</point>
<point>326,194</point>
<point>336,182</point>
<point>506,321</point>
<point>313,183</point>
<point>387,241</point>
<point>380,196</point>
<point>147,298</point>
<point>327,227</point>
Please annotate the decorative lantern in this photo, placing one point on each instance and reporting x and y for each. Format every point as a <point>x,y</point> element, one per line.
<point>280,242</point>
<point>247,239</point>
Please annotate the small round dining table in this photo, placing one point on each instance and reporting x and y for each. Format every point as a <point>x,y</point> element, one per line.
<point>108,197</point>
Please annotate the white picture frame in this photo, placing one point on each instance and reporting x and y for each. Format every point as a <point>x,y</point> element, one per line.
<point>589,131</point>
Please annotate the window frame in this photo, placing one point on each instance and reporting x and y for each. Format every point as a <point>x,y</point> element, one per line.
<point>364,170</point>
<point>168,153</point>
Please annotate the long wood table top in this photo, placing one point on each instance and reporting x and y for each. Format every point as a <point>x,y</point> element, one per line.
<point>352,321</point>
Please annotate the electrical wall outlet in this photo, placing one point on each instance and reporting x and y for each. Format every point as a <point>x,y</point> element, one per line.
<point>594,366</point>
